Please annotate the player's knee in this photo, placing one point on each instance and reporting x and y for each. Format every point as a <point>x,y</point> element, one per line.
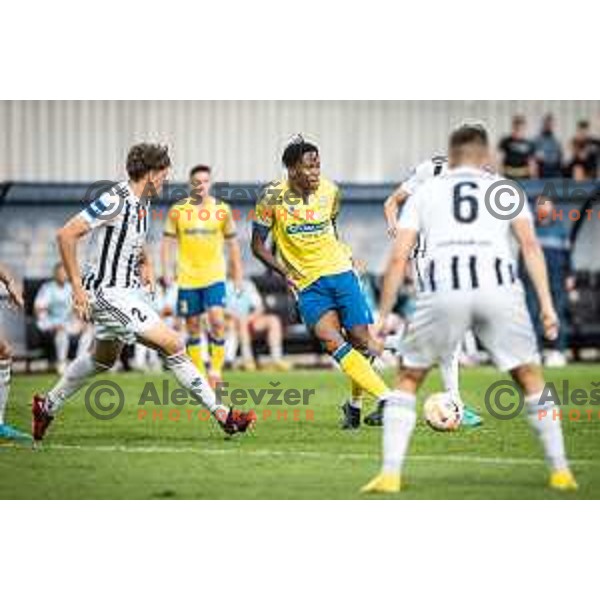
<point>359,340</point>
<point>175,345</point>
<point>410,380</point>
<point>330,339</point>
<point>217,327</point>
<point>193,326</point>
<point>529,378</point>
<point>274,323</point>
<point>5,350</point>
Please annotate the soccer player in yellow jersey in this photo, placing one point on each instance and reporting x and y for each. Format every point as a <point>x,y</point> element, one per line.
<point>201,227</point>
<point>300,214</point>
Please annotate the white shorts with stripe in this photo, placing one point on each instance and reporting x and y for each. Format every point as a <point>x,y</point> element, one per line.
<point>497,316</point>
<point>122,314</point>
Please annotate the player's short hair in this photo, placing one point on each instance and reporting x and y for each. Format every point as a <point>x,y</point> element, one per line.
<point>143,158</point>
<point>468,134</point>
<point>295,150</point>
<point>200,169</point>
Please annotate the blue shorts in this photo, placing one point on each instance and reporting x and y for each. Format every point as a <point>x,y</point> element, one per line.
<point>195,301</point>
<point>342,293</point>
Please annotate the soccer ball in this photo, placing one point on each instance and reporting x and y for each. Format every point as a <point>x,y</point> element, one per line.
<point>442,412</point>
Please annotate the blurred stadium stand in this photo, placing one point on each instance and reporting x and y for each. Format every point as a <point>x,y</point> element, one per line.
<point>361,141</point>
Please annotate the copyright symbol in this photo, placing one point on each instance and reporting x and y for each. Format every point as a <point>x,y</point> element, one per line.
<point>504,400</point>
<point>103,209</point>
<point>505,199</point>
<point>100,400</point>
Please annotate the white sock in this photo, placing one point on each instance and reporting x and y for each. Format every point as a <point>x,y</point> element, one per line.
<point>548,430</point>
<point>449,370</point>
<point>277,352</point>
<point>231,346</point>
<point>356,402</point>
<point>399,418</point>
<point>61,343</point>
<point>77,374</point>
<point>190,378</point>
<point>4,386</point>
<point>85,342</point>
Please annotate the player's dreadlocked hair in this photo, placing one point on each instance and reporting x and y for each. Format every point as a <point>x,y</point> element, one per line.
<point>143,158</point>
<point>295,150</point>
<point>469,134</point>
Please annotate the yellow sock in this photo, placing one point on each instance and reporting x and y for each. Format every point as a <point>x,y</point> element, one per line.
<point>359,369</point>
<point>216,350</point>
<point>194,350</point>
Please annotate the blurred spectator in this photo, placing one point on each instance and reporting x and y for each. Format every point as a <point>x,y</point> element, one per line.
<point>585,150</point>
<point>518,152</point>
<point>548,151</point>
<point>553,234</point>
<point>246,317</point>
<point>55,318</point>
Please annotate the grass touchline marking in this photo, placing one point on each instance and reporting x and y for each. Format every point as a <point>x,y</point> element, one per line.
<point>457,458</point>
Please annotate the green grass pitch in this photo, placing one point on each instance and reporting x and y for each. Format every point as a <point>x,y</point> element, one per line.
<point>309,457</point>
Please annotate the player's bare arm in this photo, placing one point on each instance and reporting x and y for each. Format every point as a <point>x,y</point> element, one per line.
<point>67,238</point>
<point>390,209</point>
<point>266,257</point>
<point>395,272</point>
<point>168,250</point>
<point>14,292</point>
<point>535,264</point>
<point>233,252</point>
<point>147,270</point>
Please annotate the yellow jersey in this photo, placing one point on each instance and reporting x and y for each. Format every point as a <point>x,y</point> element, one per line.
<point>303,230</point>
<point>201,230</point>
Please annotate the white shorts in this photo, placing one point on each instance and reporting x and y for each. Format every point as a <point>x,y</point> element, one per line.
<point>121,314</point>
<point>497,316</point>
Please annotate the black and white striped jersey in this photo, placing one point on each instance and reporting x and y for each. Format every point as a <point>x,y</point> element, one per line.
<point>437,165</point>
<point>119,223</point>
<point>424,171</point>
<point>466,246</point>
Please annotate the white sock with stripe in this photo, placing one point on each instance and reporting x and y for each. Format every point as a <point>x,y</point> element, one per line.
<point>544,420</point>
<point>399,418</point>
<point>4,386</point>
<point>191,379</point>
<point>76,375</point>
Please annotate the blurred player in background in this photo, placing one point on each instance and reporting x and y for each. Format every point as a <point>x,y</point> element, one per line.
<point>246,314</point>
<point>469,264</point>
<point>198,230</point>
<point>300,214</point>
<point>114,291</point>
<point>449,367</point>
<point>55,318</point>
<point>8,434</point>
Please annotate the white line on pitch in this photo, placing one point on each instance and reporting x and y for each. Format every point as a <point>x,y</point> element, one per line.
<point>457,458</point>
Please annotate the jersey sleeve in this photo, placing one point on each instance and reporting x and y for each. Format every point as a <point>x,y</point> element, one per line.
<point>337,202</point>
<point>102,211</point>
<point>229,226</point>
<point>263,215</point>
<point>170,227</point>
<point>418,175</point>
<point>409,217</point>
